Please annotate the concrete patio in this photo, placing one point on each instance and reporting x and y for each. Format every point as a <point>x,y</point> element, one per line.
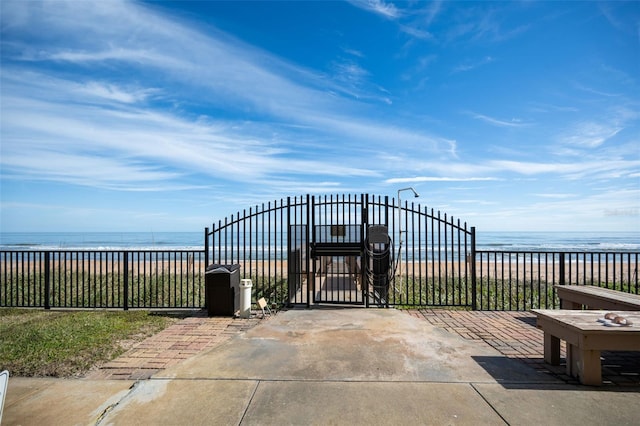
<point>336,366</point>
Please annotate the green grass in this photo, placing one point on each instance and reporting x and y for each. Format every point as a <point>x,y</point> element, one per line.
<point>67,344</point>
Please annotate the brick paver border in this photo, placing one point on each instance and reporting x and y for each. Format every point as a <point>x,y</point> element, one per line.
<point>179,341</point>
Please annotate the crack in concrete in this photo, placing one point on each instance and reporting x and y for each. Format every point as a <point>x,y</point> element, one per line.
<point>111,407</point>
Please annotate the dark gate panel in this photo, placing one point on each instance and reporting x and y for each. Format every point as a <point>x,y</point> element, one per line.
<point>337,244</point>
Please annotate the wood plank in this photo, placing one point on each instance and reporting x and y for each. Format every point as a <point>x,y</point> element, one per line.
<point>551,349</point>
<point>588,320</point>
<point>589,367</point>
<point>596,297</point>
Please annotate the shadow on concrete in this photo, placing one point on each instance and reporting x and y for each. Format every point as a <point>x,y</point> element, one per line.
<point>517,374</point>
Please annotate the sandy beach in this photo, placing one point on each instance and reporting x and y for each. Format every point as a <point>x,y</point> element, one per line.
<point>575,273</point>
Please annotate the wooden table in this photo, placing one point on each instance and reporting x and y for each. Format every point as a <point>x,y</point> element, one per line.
<point>585,338</point>
<point>574,296</point>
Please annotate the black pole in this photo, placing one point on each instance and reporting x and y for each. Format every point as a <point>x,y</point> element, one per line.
<point>311,278</point>
<point>206,247</point>
<point>126,281</point>
<point>47,280</point>
<point>364,215</point>
<point>474,303</point>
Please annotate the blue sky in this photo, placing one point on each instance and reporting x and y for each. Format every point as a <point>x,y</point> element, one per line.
<point>166,116</point>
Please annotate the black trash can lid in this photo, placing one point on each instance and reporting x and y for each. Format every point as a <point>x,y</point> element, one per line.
<point>221,269</point>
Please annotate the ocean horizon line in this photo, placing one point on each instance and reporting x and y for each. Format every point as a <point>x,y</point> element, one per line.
<point>192,240</point>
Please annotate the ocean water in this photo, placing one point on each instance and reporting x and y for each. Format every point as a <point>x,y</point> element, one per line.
<point>498,241</point>
<point>559,241</point>
<point>102,241</point>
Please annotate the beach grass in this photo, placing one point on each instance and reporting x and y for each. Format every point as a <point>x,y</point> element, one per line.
<point>166,289</point>
<point>106,290</point>
<point>37,343</point>
<point>491,294</point>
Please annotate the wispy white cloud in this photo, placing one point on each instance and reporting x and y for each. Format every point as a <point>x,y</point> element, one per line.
<point>419,21</point>
<point>594,91</point>
<point>471,65</point>
<point>476,202</point>
<point>621,114</point>
<point>576,170</point>
<point>380,7</point>
<point>119,139</point>
<point>419,70</point>
<point>589,134</point>
<point>430,12</point>
<point>113,92</point>
<point>417,32</point>
<point>117,55</point>
<point>482,23</point>
<point>619,75</point>
<point>349,72</point>
<point>550,108</point>
<point>93,171</point>
<point>615,14</point>
<point>593,168</point>
<point>607,12</point>
<point>417,179</point>
<point>558,196</point>
<point>353,52</point>
<point>514,122</point>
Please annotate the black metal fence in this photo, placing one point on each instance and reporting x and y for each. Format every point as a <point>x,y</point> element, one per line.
<point>175,279</point>
<point>524,280</point>
<point>102,279</point>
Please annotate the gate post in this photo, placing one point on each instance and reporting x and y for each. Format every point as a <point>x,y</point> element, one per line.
<point>474,303</point>
<point>311,275</point>
<point>364,214</point>
<point>125,262</point>
<point>206,247</point>
<point>47,280</point>
<point>292,280</point>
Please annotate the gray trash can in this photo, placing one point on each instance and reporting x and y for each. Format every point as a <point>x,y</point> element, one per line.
<point>222,289</point>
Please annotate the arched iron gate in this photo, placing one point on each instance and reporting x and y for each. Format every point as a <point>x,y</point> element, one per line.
<point>316,250</point>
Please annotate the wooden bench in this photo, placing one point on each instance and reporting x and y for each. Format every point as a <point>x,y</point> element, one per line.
<point>585,338</point>
<point>575,296</point>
